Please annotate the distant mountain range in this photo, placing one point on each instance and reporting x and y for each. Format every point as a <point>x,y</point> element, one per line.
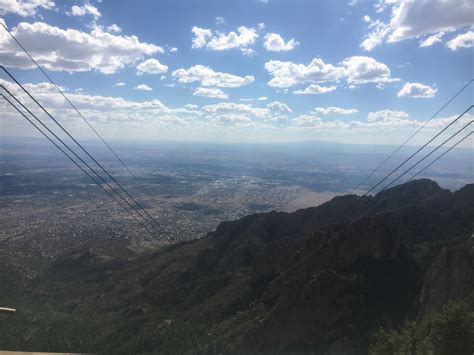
<point>318,281</point>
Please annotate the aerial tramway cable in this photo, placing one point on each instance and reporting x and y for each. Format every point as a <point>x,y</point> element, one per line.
<point>70,158</point>
<point>354,220</point>
<point>414,134</point>
<point>143,187</point>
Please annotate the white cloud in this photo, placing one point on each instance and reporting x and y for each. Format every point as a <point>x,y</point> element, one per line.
<point>151,66</point>
<point>261,26</point>
<point>465,40</point>
<point>208,77</point>
<point>306,121</point>
<point>86,9</point>
<point>363,70</point>
<point>427,42</point>
<point>142,87</point>
<point>24,8</point>
<point>114,28</point>
<point>411,19</point>
<point>386,119</point>
<point>242,109</point>
<point>417,90</point>
<point>262,98</point>
<point>245,38</point>
<point>173,50</point>
<point>414,19</point>
<point>279,106</point>
<point>219,20</point>
<point>335,110</point>
<point>72,50</point>
<point>210,92</point>
<point>201,35</point>
<point>314,89</point>
<point>47,94</point>
<point>218,41</point>
<point>120,84</point>
<point>387,115</point>
<point>286,74</point>
<point>275,43</point>
<point>314,122</point>
<point>376,37</point>
<point>356,70</point>
<point>225,120</point>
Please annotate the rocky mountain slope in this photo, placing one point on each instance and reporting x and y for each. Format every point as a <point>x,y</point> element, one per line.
<point>317,281</point>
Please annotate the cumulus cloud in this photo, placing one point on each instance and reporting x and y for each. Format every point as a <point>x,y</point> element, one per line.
<point>306,121</point>
<point>210,92</point>
<point>279,106</point>
<point>417,90</point>
<point>242,109</point>
<point>335,110</point>
<point>315,89</point>
<point>151,66</point>
<point>208,77</point>
<point>115,112</point>
<point>113,28</point>
<point>286,74</point>
<point>24,8</point>
<point>415,19</point>
<point>465,40</point>
<point>142,87</point>
<point>120,84</point>
<point>379,31</point>
<point>201,35</point>
<point>275,43</point>
<point>314,122</point>
<point>72,50</point>
<point>86,9</point>
<point>356,70</point>
<point>47,94</point>
<point>243,39</point>
<point>262,98</point>
<point>411,19</point>
<point>429,41</point>
<point>364,70</point>
<point>387,115</point>
<point>386,119</point>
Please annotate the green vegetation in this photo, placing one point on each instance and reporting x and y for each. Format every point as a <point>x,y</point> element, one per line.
<point>241,290</point>
<point>449,331</point>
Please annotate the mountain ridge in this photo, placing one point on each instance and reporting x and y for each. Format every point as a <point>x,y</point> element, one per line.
<point>276,282</point>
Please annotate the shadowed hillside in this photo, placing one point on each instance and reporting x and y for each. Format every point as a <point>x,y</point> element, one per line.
<point>267,283</point>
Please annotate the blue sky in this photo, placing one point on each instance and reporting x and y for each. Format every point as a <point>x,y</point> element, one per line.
<point>344,71</point>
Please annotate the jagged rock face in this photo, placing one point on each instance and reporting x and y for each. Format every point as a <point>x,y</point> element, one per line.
<point>376,275</point>
<point>341,289</point>
<point>451,278</point>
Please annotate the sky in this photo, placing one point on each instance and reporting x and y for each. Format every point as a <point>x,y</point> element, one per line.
<point>365,72</point>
